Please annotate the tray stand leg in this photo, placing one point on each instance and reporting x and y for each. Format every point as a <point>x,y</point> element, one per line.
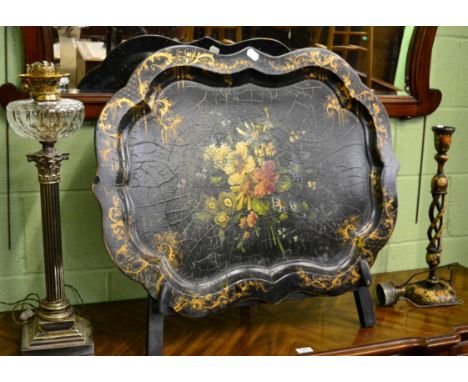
<point>363,298</point>
<point>155,335</point>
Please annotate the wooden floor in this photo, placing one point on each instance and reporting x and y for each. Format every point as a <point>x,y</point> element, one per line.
<point>328,325</point>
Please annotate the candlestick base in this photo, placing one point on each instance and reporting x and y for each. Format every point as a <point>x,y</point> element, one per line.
<point>426,293</point>
<point>71,336</point>
<point>423,293</point>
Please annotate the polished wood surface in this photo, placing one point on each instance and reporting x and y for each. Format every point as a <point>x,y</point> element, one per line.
<point>329,325</point>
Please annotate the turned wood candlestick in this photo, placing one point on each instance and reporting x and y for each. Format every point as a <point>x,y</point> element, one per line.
<point>432,291</point>
<point>439,185</point>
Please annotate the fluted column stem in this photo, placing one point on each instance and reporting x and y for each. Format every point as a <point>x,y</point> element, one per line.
<point>52,242</point>
<point>48,161</point>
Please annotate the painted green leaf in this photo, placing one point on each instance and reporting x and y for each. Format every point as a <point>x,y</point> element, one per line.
<point>284,183</point>
<point>283,170</point>
<point>260,207</point>
<point>203,216</point>
<point>216,179</point>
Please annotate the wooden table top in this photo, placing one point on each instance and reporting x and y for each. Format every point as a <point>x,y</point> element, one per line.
<point>329,325</point>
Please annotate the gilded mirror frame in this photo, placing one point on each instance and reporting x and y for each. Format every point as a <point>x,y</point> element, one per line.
<point>421,100</point>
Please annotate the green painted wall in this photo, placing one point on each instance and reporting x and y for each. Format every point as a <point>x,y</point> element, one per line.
<point>87,265</point>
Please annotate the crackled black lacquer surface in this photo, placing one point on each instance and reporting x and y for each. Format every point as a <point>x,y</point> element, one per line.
<point>228,178</point>
<point>113,73</point>
<point>303,182</point>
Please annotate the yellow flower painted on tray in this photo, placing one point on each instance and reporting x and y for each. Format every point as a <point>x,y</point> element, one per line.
<point>312,184</point>
<point>218,155</point>
<point>278,204</point>
<point>212,204</point>
<point>227,201</point>
<point>252,131</point>
<point>270,149</point>
<point>263,151</point>
<point>244,192</point>
<point>296,136</point>
<point>221,219</point>
<point>239,163</point>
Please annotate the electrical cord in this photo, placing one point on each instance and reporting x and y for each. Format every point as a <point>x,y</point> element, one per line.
<point>24,310</point>
<point>77,296</point>
<point>30,302</point>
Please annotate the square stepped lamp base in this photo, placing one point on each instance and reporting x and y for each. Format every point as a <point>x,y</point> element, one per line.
<point>37,339</point>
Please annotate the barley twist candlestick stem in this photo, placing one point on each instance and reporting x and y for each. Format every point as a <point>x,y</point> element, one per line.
<point>439,185</point>
<point>433,291</point>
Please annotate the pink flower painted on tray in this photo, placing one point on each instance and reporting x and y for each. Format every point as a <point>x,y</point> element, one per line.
<point>265,179</point>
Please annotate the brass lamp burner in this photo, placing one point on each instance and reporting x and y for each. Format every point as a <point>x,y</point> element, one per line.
<point>42,81</point>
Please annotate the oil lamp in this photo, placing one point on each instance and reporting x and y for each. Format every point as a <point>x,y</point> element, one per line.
<point>56,329</point>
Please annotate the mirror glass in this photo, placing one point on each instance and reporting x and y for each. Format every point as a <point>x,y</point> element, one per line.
<point>378,53</point>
